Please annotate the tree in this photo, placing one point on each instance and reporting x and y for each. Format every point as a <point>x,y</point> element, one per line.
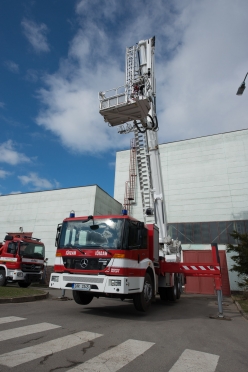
<point>240,258</point>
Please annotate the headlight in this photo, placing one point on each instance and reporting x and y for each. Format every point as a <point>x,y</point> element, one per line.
<point>115,283</point>
<point>19,274</point>
<point>55,278</point>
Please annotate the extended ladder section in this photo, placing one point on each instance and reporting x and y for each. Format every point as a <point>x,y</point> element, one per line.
<point>130,185</point>
<point>136,101</point>
<point>144,172</point>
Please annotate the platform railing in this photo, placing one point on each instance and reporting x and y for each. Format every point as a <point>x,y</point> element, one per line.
<point>113,97</point>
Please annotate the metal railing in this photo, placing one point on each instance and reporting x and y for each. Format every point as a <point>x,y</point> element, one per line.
<point>113,97</point>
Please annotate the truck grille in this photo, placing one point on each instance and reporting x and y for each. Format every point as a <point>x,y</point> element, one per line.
<point>32,268</point>
<point>80,279</point>
<point>85,263</point>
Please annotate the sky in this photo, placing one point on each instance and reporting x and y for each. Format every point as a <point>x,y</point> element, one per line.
<point>56,55</point>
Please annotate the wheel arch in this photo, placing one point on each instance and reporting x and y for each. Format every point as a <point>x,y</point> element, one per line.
<point>3,267</point>
<point>151,272</point>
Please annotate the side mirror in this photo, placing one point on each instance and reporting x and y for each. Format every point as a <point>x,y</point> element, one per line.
<point>141,227</point>
<point>58,234</point>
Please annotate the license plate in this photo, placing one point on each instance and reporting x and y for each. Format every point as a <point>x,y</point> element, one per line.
<point>81,287</point>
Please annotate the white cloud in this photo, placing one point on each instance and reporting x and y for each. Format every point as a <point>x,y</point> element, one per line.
<point>15,192</point>
<point>197,88</point>
<point>70,99</point>
<point>37,182</point>
<point>36,35</point>
<point>201,58</point>
<point>12,66</point>
<point>10,156</point>
<point>2,104</point>
<point>4,174</point>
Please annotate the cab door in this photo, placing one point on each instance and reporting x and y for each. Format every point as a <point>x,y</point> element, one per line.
<point>137,248</point>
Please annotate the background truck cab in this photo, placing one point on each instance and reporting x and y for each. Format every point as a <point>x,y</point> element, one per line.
<point>21,259</point>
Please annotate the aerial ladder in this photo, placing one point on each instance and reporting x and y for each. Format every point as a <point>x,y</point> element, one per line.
<point>136,102</point>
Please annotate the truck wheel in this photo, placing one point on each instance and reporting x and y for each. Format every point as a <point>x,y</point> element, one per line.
<point>163,293</point>
<point>173,291</point>
<point>3,280</point>
<point>23,284</point>
<point>179,286</point>
<point>143,300</point>
<point>82,298</point>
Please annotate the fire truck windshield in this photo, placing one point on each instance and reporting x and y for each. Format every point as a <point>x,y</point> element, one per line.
<point>32,250</point>
<point>106,233</point>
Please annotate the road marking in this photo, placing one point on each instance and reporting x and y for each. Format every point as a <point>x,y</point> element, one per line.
<point>9,319</point>
<point>114,359</point>
<point>17,357</point>
<point>27,330</point>
<point>195,361</point>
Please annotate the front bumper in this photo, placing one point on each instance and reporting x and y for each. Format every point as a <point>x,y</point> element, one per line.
<point>98,283</point>
<point>18,275</point>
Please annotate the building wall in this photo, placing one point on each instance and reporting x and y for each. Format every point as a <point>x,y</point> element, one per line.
<point>41,212</point>
<point>205,179</point>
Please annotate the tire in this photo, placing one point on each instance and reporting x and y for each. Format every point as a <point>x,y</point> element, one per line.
<point>179,285</point>
<point>3,280</point>
<point>173,291</point>
<point>24,284</point>
<point>82,298</point>
<point>163,293</point>
<point>143,300</point>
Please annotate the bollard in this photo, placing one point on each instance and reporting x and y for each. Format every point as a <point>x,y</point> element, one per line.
<point>219,296</point>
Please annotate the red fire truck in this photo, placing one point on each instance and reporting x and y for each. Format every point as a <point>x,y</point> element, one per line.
<point>21,259</point>
<point>119,256</point>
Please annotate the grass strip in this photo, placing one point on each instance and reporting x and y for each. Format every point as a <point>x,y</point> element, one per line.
<point>13,292</point>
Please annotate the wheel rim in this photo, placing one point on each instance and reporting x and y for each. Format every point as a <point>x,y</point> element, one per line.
<point>1,276</point>
<point>147,292</point>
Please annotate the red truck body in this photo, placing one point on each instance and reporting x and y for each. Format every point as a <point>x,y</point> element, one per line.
<point>118,256</point>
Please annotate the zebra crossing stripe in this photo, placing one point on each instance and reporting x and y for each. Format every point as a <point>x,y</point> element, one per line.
<point>17,357</point>
<point>10,319</point>
<point>27,330</point>
<point>114,359</point>
<point>195,361</point>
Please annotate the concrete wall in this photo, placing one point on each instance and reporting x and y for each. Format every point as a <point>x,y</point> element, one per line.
<point>41,212</point>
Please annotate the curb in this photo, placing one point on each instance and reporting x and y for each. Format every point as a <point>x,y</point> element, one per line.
<point>38,297</point>
<point>240,309</point>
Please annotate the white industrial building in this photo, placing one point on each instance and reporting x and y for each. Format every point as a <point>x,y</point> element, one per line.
<point>41,212</point>
<point>205,189</point>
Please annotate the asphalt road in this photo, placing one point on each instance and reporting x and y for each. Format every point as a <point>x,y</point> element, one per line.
<point>109,335</point>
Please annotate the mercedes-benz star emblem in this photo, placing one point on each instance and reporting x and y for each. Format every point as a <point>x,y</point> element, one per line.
<point>84,263</point>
